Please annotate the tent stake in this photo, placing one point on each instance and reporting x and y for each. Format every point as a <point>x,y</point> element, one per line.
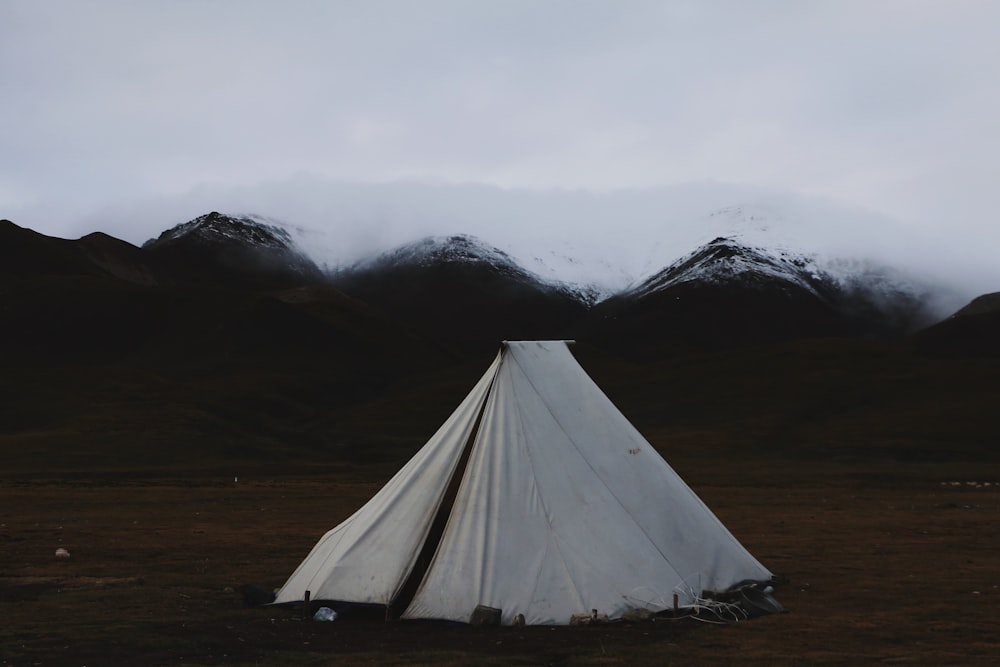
<point>305,603</point>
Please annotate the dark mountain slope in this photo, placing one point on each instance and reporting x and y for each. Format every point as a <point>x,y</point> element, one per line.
<point>118,259</point>
<point>973,331</point>
<point>835,400</point>
<point>25,253</point>
<point>64,301</point>
<point>193,379</point>
<point>104,365</point>
<point>184,299</point>
<point>463,293</point>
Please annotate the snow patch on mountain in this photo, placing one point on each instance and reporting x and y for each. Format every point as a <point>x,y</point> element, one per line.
<point>240,245</point>
<point>467,249</point>
<point>726,261</point>
<point>589,273</point>
<point>248,230</point>
<point>460,248</point>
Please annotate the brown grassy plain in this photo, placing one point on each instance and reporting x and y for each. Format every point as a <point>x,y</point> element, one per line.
<point>889,564</point>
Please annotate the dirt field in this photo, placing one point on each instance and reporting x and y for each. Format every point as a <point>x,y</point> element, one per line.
<point>899,565</point>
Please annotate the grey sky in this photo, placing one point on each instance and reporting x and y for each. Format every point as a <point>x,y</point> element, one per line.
<point>112,106</point>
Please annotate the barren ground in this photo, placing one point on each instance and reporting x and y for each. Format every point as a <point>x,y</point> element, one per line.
<point>885,563</point>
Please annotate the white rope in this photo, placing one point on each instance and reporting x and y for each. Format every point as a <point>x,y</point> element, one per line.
<point>656,602</point>
<point>702,609</point>
<point>725,612</point>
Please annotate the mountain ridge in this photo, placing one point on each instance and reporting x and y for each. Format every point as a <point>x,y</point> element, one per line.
<point>459,287</point>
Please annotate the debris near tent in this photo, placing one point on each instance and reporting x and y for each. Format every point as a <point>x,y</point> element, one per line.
<point>593,618</point>
<point>536,499</point>
<point>484,616</point>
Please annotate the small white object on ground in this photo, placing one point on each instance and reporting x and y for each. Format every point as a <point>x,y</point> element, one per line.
<point>325,614</point>
<point>62,553</point>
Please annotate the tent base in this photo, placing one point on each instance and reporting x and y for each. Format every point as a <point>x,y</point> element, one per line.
<point>746,600</point>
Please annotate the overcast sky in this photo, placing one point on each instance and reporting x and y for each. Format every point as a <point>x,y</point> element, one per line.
<point>129,116</point>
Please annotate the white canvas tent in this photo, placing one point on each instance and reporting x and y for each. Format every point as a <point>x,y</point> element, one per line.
<point>536,497</point>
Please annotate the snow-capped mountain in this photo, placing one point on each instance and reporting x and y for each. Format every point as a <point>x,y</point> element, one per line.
<point>464,249</point>
<point>728,293</point>
<point>215,227</point>
<point>458,248</point>
<point>235,251</point>
<point>725,261</point>
<point>857,288</point>
<point>974,330</point>
<point>464,292</point>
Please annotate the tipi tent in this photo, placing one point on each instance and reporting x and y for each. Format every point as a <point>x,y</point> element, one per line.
<point>536,497</point>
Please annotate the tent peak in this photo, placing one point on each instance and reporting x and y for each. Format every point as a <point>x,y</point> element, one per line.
<point>505,343</point>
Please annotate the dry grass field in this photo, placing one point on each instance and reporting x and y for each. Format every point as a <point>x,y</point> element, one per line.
<point>895,564</point>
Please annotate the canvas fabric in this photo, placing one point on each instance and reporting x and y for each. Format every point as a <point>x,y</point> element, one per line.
<point>367,557</point>
<point>563,508</point>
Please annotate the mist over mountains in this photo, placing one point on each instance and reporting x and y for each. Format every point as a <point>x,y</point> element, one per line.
<point>611,239</point>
